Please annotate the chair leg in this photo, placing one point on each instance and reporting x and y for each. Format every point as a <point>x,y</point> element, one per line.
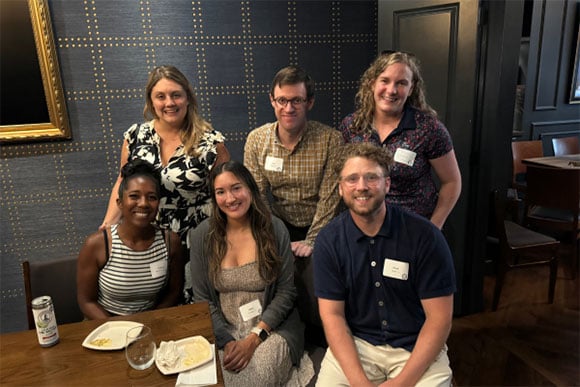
<point>501,272</point>
<point>575,258</point>
<point>553,275</point>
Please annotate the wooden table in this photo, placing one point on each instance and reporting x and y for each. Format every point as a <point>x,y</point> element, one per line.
<point>24,362</point>
<point>565,162</point>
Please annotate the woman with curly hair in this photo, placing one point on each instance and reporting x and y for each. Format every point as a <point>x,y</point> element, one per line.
<point>392,112</point>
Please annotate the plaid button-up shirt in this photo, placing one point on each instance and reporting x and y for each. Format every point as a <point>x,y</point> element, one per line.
<point>305,191</point>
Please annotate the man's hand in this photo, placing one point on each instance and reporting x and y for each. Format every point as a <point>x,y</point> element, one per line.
<point>301,249</point>
<point>237,354</point>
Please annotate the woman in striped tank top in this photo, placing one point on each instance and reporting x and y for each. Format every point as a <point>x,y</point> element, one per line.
<point>131,266</point>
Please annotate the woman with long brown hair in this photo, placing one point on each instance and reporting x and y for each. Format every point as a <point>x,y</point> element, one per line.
<point>242,264</point>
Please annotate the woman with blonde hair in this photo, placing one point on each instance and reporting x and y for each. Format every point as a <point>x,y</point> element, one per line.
<point>392,112</point>
<point>181,145</point>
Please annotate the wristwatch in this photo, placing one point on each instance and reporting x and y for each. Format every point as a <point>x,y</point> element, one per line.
<point>261,333</point>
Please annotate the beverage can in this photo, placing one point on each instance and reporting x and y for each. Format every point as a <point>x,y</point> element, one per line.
<point>45,321</point>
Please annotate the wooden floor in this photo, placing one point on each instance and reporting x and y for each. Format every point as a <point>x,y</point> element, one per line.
<point>526,342</point>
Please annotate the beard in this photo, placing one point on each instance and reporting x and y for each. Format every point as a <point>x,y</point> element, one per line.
<point>366,208</point>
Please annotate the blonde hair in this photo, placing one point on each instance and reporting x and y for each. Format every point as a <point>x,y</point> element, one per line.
<point>365,101</point>
<point>194,126</point>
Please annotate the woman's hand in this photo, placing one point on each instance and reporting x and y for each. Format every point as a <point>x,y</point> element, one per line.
<point>237,354</point>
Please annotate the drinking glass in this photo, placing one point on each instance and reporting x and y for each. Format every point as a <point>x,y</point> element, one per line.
<point>140,348</point>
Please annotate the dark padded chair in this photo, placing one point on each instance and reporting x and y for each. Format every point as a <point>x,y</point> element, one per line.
<point>57,279</point>
<point>520,247</point>
<point>552,205</point>
<point>566,146</point>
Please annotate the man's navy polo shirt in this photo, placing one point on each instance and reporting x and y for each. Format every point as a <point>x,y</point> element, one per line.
<point>348,266</point>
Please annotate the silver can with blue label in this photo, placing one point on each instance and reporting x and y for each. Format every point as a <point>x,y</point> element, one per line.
<point>45,321</point>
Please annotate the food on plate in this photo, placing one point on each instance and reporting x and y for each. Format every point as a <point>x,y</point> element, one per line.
<point>183,354</point>
<point>195,352</point>
<point>168,354</point>
<point>102,342</point>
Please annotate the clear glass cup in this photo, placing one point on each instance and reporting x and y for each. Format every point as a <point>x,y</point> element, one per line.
<point>140,348</point>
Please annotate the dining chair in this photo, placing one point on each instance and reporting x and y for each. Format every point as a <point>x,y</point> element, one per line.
<point>566,146</point>
<point>519,248</point>
<point>57,279</point>
<point>552,205</point>
<point>523,150</point>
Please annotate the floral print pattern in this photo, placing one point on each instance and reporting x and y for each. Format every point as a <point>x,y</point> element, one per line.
<point>185,195</point>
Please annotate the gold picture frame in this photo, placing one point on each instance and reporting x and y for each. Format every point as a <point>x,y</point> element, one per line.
<point>58,127</point>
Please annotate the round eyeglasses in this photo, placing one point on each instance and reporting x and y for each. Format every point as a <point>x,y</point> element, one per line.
<point>369,178</point>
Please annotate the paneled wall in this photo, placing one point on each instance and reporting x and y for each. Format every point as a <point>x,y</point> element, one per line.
<point>54,194</point>
<point>547,111</point>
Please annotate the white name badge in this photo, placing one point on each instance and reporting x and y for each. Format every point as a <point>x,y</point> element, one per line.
<point>274,164</point>
<point>158,269</point>
<point>250,310</point>
<point>405,156</point>
<point>396,269</point>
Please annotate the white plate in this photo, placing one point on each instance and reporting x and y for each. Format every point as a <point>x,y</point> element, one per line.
<point>109,336</point>
<point>187,359</point>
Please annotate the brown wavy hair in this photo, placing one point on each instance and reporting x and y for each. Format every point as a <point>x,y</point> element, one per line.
<point>364,99</point>
<point>269,260</point>
<point>194,125</point>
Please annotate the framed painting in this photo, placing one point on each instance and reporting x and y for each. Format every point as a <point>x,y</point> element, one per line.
<point>33,106</point>
<point>575,86</point>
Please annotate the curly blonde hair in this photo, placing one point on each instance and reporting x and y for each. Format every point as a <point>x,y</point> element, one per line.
<point>365,101</point>
<point>194,126</point>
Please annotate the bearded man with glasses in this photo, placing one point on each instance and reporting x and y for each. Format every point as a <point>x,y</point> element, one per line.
<point>292,161</point>
<point>385,280</point>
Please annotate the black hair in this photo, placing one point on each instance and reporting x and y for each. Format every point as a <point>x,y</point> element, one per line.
<point>136,168</point>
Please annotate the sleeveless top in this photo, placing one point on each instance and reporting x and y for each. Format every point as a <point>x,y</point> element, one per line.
<point>131,281</point>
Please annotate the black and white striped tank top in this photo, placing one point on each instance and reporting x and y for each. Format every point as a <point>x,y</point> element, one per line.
<point>130,281</point>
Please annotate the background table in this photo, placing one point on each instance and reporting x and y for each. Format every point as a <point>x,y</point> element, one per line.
<point>565,162</point>
<point>24,362</point>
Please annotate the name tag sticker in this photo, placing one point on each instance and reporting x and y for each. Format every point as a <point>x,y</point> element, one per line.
<point>405,156</point>
<point>396,269</point>
<point>274,164</point>
<point>158,269</point>
<point>250,310</point>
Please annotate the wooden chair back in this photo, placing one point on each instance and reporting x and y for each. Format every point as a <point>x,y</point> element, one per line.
<point>566,145</point>
<point>57,279</point>
<point>523,150</point>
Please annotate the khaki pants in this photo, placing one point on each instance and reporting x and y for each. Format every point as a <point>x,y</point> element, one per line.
<point>381,363</point>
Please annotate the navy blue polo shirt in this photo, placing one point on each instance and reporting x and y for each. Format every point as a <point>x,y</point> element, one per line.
<point>383,309</point>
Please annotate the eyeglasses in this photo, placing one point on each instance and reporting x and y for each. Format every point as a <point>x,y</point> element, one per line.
<point>296,102</point>
<point>369,178</point>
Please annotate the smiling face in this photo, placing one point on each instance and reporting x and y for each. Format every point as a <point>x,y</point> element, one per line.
<point>232,196</point>
<point>169,101</point>
<point>140,201</point>
<point>392,88</point>
<point>363,187</point>
<point>292,117</point>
